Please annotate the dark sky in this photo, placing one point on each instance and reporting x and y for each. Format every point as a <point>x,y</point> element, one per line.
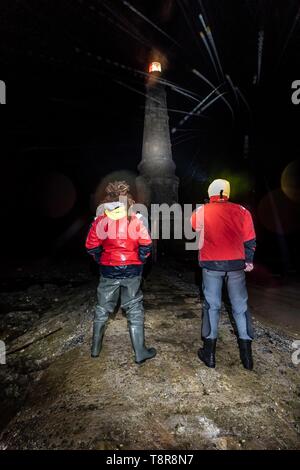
<point>75,95</point>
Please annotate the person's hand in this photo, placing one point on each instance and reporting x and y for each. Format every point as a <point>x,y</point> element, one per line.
<point>249,267</point>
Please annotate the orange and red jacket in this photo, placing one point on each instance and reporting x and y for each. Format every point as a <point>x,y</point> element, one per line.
<point>120,246</point>
<point>228,235</point>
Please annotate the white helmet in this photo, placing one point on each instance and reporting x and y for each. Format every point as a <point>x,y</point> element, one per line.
<point>219,188</point>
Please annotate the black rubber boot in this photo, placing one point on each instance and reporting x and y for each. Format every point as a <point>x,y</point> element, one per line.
<point>98,332</point>
<point>142,353</point>
<point>207,354</point>
<point>246,353</point>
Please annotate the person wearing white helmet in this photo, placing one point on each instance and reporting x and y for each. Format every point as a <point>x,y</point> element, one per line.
<point>227,252</point>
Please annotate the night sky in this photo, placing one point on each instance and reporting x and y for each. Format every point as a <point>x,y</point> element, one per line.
<point>75,104</point>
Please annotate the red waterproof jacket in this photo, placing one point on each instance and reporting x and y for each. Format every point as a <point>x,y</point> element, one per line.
<point>228,235</point>
<point>119,243</point>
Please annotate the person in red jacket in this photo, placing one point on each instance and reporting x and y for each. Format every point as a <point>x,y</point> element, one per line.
<point>226,253</point>
<point>120,243</point>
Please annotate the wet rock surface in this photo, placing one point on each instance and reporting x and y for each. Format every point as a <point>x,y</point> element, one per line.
<point>54,396</point>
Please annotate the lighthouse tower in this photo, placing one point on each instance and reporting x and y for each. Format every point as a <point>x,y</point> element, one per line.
<point>157,168</point>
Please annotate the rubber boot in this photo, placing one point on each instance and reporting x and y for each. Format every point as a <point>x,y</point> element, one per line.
<point>98,332</point>
<point>246,353</point>
<point>142,353</point>
<point>207,354</point>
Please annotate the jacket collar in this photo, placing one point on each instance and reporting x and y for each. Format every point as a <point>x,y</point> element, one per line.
<point>218,199</point>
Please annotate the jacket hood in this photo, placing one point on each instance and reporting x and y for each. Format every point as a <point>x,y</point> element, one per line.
<point>113,210</point>
<point>218,187</point>
<point>116,214</point>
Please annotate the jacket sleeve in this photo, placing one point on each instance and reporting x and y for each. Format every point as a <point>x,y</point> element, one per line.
<point>93,244</point>
<point>145,242</point>
<point>249,237</point>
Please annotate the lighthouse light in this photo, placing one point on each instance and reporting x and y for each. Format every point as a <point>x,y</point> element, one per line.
<point>155,67</point>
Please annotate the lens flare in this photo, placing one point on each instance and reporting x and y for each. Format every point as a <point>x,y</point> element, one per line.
<point>240,183</point>
<point>278,214</point>
<point>290,181</point>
